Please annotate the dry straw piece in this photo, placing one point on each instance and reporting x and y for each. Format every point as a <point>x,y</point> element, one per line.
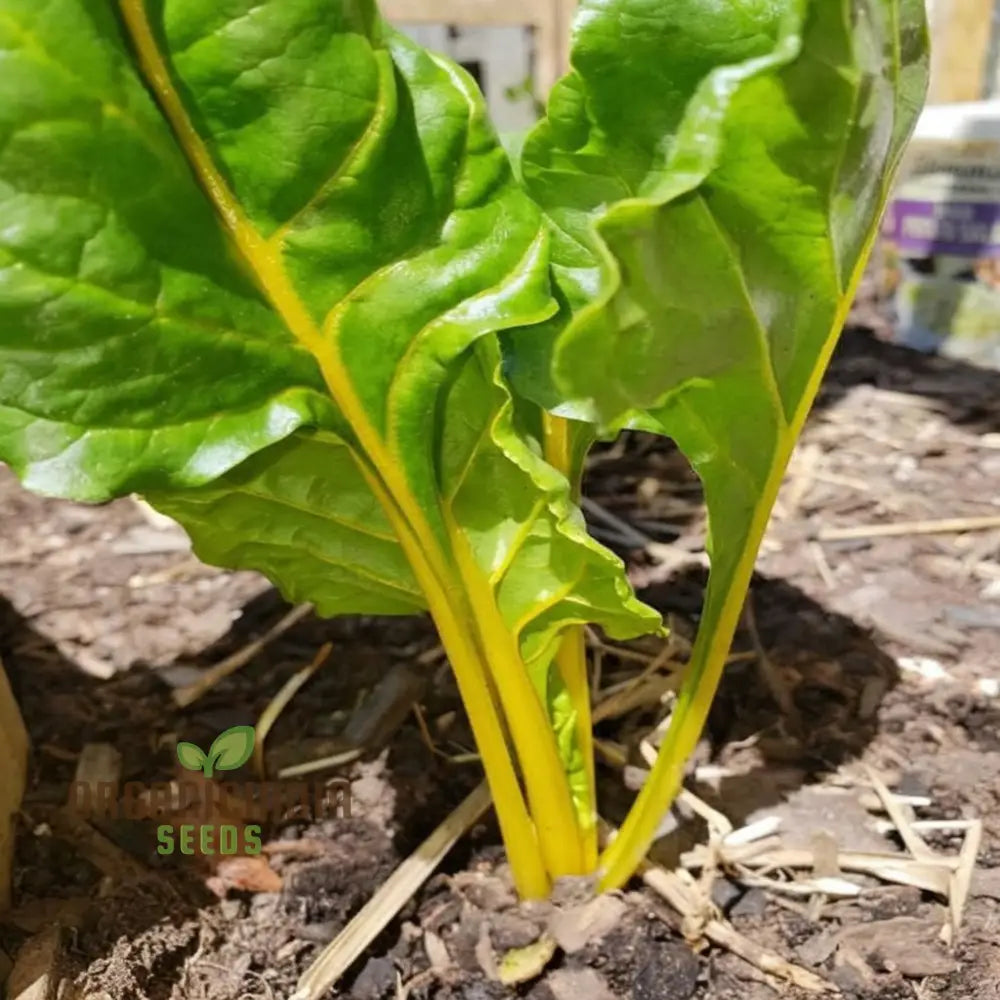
<point>375,915</point>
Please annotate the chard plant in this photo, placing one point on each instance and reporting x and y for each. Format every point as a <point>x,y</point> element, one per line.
<point>267,264</point>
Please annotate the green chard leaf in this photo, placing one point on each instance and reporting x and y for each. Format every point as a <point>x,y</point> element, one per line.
<point>378,230</point>
<point>713,176</point>
<point>253,261</point>
<point>302,513</point>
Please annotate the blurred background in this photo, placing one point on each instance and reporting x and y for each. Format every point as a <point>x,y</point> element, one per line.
<point>933,284</point>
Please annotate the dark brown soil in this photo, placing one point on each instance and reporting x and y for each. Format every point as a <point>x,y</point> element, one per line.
<point>887,648</point>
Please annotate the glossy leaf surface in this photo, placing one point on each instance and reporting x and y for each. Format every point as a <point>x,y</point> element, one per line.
<point>713,175</point>
<point>370,228</point>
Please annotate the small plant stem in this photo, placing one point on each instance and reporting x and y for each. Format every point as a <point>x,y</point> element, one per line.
<point>724,606</point>
<point>530,728</point>
<point>571,657</point>
<point>516,826</point>
<point>708,659</point>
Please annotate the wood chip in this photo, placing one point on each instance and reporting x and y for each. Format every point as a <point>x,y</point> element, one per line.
<point>36,972</point>
<point>576,927</point>
<point>521,965</point>
<point>903,944</point>
<point>103,853</point>
<point>578,984</point>
<point>98,763</point>
<point>485,955</point>
<point>437,952</point>
<point>385,708</point>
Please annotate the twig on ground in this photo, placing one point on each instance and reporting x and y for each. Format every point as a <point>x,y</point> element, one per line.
<point>718,825</point>
<point>837,887</point>
<point>464,757</point>
<point>768,672</point>
<point>431,656</point>
<point>802,478</point>
<point>915,844</point>
<point>597,671</point>
<point>894,868</point>
<point>701,920</point>
<point>188,695</point>
<point>184,568</point>
<point>280,701</point>
<point>657,662</point>
<point>822,565</point>
<point>946,526</point>
<point>645,688</point>
<point>950,877</point>
<point>321,763</point>
<point>425,733</point>
<point>623,652</point>
<point>373,917</point>
<point>629,533</point>
<point>726,936</point>
<point>961,879</point>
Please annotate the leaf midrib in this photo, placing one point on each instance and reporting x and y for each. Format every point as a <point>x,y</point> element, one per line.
<point>264,260</point>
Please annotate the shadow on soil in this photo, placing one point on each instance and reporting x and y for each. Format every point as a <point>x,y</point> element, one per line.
<point>833,672</point>
<point>965,394</point>
<point>137,931</point>
<point>961,393</point>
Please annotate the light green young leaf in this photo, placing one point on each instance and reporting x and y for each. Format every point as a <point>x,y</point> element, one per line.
<point>714,176</point>
<point>302,513</point>
<point>191,756</point>
<point>232,749</point>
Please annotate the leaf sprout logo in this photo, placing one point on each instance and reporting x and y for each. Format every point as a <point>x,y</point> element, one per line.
<point>229,752</point>
<point>203,815</point>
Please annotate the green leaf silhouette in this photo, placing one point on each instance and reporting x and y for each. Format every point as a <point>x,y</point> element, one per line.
<point>232,749</point>
<point>191,756</point>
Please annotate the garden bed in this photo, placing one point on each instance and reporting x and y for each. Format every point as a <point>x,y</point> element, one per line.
<point>882,647</point>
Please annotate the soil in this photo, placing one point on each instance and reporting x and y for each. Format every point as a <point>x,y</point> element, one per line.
<point>857,651</point>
